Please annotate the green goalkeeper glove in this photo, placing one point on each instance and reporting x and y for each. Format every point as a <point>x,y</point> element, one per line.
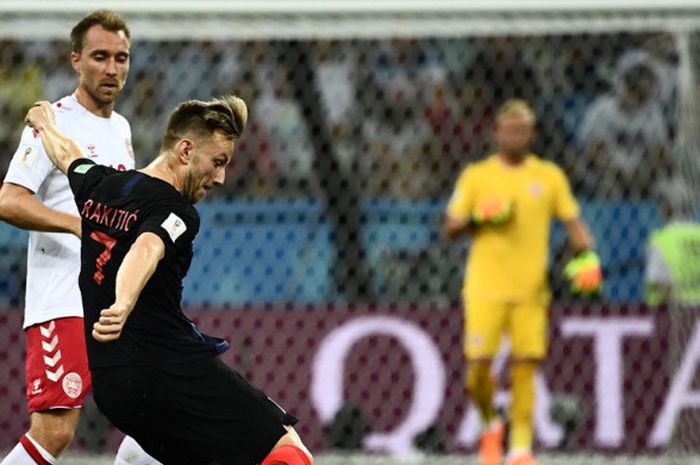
<point>493,211</point>
<point>585,273</point>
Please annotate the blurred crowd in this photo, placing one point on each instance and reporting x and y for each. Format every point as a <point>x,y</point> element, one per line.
<point>403,115</point>
<point>359,121</point>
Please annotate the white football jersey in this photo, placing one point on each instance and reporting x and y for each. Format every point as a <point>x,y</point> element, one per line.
<point>53,259</point>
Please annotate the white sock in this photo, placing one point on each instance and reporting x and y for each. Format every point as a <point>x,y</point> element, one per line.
<point>130,453</point>
<point>20,456</point>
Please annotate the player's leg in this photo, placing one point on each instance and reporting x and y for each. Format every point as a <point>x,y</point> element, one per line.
<point>54,429</point>
<point>57,380</point>
<point>195,413</point>
<point>30,451</point>
<point>289,450</point>
<point>528,327</point>
<point>49,434</point>
<point>521,411</point>
<point>484,324</point>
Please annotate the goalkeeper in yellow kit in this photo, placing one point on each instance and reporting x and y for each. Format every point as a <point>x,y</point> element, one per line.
<point>506,203</point>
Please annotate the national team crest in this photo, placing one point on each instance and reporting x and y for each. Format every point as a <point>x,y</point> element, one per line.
<point>536,189</point>
<point>73,385</point>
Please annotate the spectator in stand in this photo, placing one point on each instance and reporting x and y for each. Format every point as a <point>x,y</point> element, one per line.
<point>624,136</point>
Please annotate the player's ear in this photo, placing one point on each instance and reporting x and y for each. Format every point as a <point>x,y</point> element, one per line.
<point>75,61</point>
<point>184,150</point>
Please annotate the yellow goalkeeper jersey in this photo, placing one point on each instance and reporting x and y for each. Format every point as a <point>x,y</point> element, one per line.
<point>508,262</point>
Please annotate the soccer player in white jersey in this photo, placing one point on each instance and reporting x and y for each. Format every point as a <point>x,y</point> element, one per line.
<point>37,197</point>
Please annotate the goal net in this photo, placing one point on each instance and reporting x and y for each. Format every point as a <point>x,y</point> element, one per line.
<point>321,258</point>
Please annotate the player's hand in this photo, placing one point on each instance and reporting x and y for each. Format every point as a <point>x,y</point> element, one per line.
<point>109,326</point>
<point>493,211</point>
<point>40,115</point>
<point>584,273</point>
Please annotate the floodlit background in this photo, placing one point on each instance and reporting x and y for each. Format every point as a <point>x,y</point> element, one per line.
<point>327,230</point>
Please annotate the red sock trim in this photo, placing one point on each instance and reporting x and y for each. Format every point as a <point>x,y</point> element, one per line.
<point>286,455</point>
<point>33,451</point>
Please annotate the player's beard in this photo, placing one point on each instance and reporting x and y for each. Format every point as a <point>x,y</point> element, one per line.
<point>192,183</point>
<point>105,98</point>
<point>189,187</point>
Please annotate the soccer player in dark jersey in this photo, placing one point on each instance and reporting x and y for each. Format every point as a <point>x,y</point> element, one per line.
<point>155,376</point>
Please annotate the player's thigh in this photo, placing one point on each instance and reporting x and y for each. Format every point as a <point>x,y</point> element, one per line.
<point>132,399</point>
<point>126,397</point>
<point>484,324</point>
<point>529,330</point>
<point>57,373</point>
<point>216,415</point>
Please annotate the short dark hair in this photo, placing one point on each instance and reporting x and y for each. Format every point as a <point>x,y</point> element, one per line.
<point>227,114</point>
<point>108,19</point>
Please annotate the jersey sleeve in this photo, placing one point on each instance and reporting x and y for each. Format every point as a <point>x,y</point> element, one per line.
<point>84,175</point>
<point>175,223</point>
<point>30,165</point>
<point>565,205</point>
<point>461,202</point>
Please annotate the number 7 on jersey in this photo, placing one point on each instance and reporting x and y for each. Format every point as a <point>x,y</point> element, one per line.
<point>109,242</point>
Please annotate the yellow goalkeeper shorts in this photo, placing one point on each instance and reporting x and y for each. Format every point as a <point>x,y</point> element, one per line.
<point>485,324</point>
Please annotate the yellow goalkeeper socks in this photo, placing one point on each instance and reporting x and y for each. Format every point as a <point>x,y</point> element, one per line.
<point>481,387</point>
<point>522,405</point>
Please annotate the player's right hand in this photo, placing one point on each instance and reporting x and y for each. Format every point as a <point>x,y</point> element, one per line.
<point>110,324</point>
<point>493,211</point>
<point>40,115</point>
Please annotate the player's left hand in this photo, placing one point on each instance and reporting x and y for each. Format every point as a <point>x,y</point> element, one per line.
<point>585,273</point>
<point>40,115</point>
<point>109,326</point>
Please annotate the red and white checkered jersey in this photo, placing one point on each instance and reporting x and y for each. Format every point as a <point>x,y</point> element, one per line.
<point>53,259</point>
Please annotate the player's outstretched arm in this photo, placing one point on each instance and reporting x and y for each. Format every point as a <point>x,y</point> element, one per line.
<point>137,268</point>
<point>61,149</point>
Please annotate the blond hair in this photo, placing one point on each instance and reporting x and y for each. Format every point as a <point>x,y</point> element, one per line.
<point>516,105</point>
<point>227,114</point>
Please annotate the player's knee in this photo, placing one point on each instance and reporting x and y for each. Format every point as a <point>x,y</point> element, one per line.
<point>63,435</point>
<point>292,439</point>
<point>478,376</point>
<point>55,437</point>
